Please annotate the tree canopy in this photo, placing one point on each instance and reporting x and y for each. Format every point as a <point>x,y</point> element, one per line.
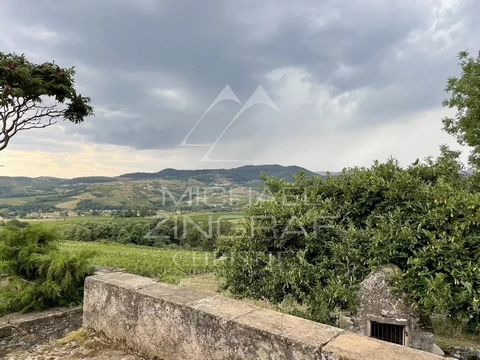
<point>36,96</point>
<point>465,97</point>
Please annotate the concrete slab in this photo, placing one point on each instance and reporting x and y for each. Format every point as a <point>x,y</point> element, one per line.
<point>157,290</point>
<point>123,280</point>
<point>224,308</point>
<point>291,327</point>
<point>352,346</point>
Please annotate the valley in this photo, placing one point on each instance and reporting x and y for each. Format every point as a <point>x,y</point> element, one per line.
<point>138,194</point>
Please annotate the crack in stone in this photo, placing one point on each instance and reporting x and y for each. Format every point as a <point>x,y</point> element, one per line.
<point>247,313</point>
<point>334,337</point>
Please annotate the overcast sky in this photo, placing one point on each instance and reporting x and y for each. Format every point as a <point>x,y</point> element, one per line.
<point>320,84</point>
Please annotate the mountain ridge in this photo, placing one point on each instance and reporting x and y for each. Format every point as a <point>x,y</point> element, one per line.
<point>245,173</point>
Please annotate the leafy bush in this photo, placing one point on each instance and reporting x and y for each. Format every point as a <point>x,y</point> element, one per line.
<point>35,273</point>
<point>317,239</point>
<point>171,231</point>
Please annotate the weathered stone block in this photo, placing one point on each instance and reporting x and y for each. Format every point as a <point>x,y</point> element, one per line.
<point>5,330</point>
<point>22,331</point>
<point>381,304</point>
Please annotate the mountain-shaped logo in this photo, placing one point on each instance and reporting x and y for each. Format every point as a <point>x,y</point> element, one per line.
<point>258,97</point>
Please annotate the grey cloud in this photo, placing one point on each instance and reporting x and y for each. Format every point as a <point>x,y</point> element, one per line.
<point>153,67</point>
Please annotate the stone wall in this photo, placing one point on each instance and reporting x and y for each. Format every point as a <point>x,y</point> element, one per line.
<point>171,322</point>
<point>24,331</point>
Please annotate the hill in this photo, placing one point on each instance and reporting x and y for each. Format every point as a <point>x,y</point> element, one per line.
<point>241,175</point>
<point>166,189</point>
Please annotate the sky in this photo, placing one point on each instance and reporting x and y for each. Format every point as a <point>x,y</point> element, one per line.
<point>323,84</point>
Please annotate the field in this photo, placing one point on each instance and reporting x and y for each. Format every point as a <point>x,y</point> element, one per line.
<point>169,265</point>
<point>59,224</point>
<point>194,217</point>
<point>165,264</point>
<point>205,216</point>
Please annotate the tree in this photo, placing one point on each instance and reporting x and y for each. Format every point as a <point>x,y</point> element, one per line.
<point>465,97</point>
<point>36,96</point>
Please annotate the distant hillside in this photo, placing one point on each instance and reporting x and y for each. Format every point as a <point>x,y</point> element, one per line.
<point>240,175</point>
<point>88,180</point>
<point>10,185</point>
<point>23,195</point>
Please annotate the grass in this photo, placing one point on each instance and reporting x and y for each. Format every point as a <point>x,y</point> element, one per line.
<point>60,224</point>
<point>71,202</point>
<point>449,335</point>
<point>447,343</point>
<point>13,201</point>
<point>169,265</point>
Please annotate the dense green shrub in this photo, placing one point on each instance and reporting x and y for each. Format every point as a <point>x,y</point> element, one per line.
<point>317,239</point>
<point>35,274</point>
<point>158,232</point>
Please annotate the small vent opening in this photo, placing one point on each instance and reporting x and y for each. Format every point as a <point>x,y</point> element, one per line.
<point>388,332</point>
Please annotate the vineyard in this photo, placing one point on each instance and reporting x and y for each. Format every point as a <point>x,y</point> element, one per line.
<point>164,264</point>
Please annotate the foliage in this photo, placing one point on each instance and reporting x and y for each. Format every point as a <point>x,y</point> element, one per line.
<point>465,97</point>
<point>35,273</point>
<point>167,231</point>
<point>317,239</point>
<point>34,96</point>
<point>168,265</point>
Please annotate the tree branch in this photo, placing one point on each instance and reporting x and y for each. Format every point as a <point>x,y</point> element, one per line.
<point>21,114</point>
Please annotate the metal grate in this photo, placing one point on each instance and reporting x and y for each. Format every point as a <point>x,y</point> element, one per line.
<point>388,332</point>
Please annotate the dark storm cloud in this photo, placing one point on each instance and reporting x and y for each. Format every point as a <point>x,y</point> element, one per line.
<point>153,67</point>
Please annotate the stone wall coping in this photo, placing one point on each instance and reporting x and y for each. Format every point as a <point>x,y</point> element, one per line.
<point>16,320</point>
<point>25,330</point>
<point>329,343</point>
